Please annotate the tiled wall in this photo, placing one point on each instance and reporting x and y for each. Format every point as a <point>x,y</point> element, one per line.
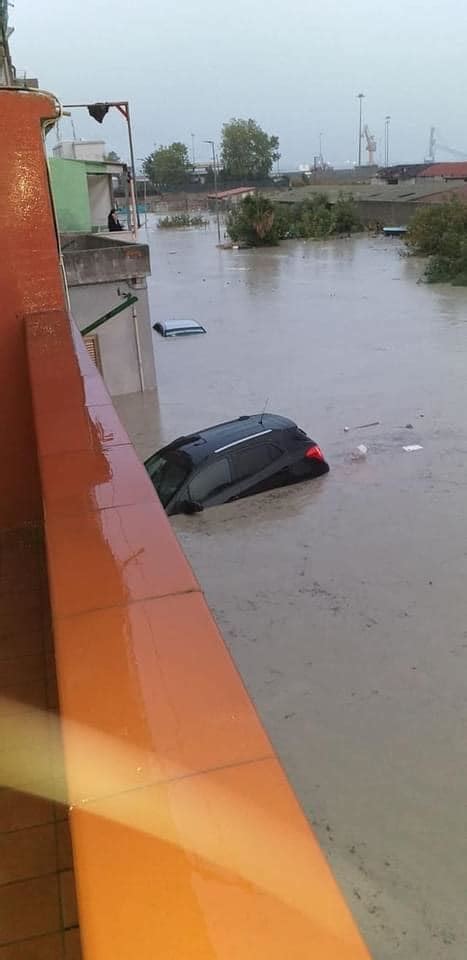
<point>38,917</point>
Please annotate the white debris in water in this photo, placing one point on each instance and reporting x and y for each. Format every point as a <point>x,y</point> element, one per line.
<point>412,447</point>
<point>360,453</point>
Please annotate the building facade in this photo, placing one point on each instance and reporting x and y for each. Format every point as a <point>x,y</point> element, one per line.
<point>103,269</point>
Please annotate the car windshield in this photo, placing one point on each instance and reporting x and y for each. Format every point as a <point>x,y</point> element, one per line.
<point>167,473</point>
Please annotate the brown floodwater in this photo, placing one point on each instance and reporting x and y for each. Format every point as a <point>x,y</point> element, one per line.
<point>344,600</point>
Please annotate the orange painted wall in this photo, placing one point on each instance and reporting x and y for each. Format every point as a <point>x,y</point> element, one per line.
<point>29,281</point>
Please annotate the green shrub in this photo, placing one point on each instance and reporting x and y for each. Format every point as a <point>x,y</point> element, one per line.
<point>181,220</point>
<point>258,221</point>
<point>254,222</point>
<point>440,232</point>
<point>345,219</point>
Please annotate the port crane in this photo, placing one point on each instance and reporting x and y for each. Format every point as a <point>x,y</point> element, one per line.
<point>7,70</point>
<point>370,146</point>
<point>434,143</point>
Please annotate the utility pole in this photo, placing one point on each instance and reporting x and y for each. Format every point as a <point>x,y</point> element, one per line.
<point>193,158</point>
<point>387,123</point>
<point>214,167</point>
<point>361,97</point>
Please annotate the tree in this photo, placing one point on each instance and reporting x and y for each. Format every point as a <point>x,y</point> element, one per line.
<point>247,151</point>
<point>112,157</point>
<point>167,167</point>
<point>254,222</point>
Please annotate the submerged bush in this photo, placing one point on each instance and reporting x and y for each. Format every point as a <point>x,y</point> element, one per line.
<point>258,220</point>
<point>440,232</point>
<point>181,220</point>
<point>254,221</point>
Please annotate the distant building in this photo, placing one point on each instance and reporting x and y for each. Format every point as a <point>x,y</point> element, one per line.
<point>80,150</point>
<point>230,198</point>
<point>455,170</point>
<point>83,184</point>
<point>449,191</point>
<point>378,203</point>
<point>401,171</point>
<point>102,268</point>
<point>199,173</point>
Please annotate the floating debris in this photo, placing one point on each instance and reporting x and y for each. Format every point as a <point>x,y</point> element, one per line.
<point>360,453</point>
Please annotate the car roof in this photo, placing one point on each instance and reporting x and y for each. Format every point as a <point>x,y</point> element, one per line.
<point>222,435</point>
<point>174,328</point>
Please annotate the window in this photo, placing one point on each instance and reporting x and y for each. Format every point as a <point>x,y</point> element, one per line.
<point>210,480</point>
<point>92,346</point>
<point>167,474</point>
<point>253,460</point>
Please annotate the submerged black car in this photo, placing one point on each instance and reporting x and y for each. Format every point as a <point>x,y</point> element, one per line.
<point>233,460</point>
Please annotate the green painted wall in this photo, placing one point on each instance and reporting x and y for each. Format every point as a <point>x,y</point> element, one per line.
<point>71,196</point>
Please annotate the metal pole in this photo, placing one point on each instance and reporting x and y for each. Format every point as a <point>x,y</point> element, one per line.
<point>214,167</point>
<point>138,348</point>
<point>132,154</point>
<point>388,121</point>
<point>193,148</point>
<point>360,97</point>
<point>127,196</point>
<point>135,219</point>
<point>127,302</point>
<point>141,160</point>
<point>216,192</point>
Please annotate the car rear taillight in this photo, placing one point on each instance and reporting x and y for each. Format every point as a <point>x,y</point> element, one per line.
<point>314,453</point>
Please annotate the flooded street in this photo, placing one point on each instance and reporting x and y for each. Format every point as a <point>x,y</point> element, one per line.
<point>344,600</point>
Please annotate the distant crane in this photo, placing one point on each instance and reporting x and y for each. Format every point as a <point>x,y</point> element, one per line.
<point>7,70</point>
<point>434,143</point>
<point>370,146</point>
<point>431,146</point>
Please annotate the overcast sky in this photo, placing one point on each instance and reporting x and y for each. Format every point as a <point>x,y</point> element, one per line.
<point>186,66</point>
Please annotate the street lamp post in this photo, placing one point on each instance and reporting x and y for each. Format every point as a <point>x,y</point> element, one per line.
<point>361,97</point>
<point>214,167</point>
<point>141,160</point>
<point>386,140</point>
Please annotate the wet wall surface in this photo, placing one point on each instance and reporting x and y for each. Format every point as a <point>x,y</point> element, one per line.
<point>344,600</point>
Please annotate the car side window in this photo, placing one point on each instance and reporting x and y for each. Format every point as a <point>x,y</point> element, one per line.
<point>209,480</point>
<point>250,461</point>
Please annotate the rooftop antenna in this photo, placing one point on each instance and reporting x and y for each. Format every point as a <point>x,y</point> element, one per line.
<point>263,411</point>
